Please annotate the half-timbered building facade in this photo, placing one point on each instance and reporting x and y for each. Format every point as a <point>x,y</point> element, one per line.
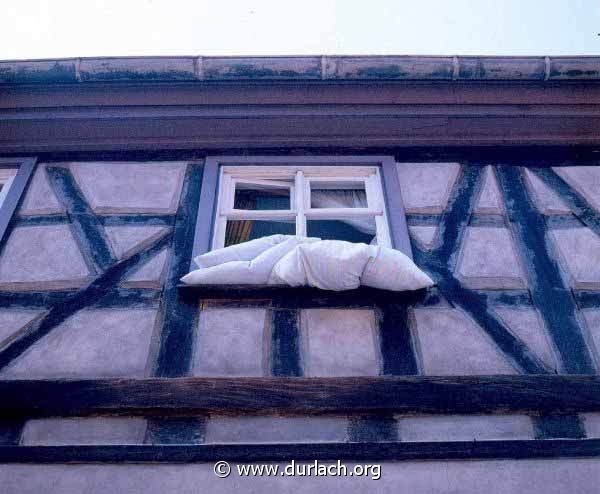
<point>115,172</point>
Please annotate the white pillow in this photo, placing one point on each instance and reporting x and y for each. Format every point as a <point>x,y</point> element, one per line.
<point>255,271</point>
<point>301,261</point>
<point>390,269</point>
<point>245,251</point>
<point>328,264</point>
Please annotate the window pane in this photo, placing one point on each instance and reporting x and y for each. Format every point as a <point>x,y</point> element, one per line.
<point>360,230</point>
<point>255,197</point>
<point>238,231</point>
<point>338,195</point>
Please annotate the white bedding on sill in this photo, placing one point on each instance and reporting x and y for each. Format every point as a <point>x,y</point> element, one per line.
<point>304,261</point>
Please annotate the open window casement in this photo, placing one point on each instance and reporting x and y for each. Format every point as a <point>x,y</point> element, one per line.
<point>285,220</point>
<point>333,203</point>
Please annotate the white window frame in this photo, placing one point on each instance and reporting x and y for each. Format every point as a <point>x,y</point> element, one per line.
<point>392,204</point>
<point>300,178</point>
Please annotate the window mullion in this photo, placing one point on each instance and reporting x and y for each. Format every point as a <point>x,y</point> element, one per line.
<point>373,188</point>
<point>341,213</point>
<point>224,202</point>
<point>300,204</point>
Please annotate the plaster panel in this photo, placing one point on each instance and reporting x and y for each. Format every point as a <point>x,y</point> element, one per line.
<point>592,320</point>
<point>452,344</point>
<point>425,235</point>
<point>150,274</point>
<point>490,199</point>
<point>275,429</point>
<point>465,427</point>
<point>426,187</point>
<point>112,187</point>
<point>527,324</point>
<point>125,239</point>
<point>579,250</point>
<point>591,422</point>
<point>545,199</point>
<point>230,342</point>
<point>13,320</point>
<point>488,259</point>
<point>91,343</point>
<point>83,430</point>
<point>339,342</point>
<point>39,196</point>
<point>585,180</point>
<point>38,257</point>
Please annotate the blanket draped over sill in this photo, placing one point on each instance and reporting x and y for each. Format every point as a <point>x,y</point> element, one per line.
<point>304,261</point>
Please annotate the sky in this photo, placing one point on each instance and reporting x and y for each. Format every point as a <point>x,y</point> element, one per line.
<point>90,28</point>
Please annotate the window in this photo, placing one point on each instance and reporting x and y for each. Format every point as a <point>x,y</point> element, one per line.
<point>353,198</point>
<point>14,175</point>
<point>337,203</point>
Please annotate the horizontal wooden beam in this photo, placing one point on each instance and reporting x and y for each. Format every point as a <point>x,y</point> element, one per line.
<point>300,297</point>
<point>96,133</point>
<point>378,451</point>
<point>277,395</point>
<point>119,117</point>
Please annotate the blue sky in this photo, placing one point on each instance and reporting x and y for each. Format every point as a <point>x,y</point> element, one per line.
<point>77,28</point>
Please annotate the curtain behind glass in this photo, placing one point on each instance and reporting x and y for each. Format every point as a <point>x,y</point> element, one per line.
<point>324,198</point>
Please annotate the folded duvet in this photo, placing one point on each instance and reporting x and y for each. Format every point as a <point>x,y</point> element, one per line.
<point>305,261</point>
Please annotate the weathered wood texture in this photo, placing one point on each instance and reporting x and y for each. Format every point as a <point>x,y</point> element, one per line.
<point>301,297</point>
<point>409,395</point>
<point>106,116</point>
<point>297,68</point>
<point>362,451</point>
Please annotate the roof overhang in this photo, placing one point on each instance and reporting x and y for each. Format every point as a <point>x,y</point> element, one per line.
<point>158,103</point>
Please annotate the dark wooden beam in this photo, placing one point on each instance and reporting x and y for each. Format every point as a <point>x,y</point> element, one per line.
<point>396,344</point>
<point>296,395</point>
<point>285,343</point>
<point>587,299</point>
<point>88,231</point>
<point>372,428</point>
<point>175,430</point>
<point>551,296</point>
<point>93,293</point>
<point>178,313</point>
<point>118,297</point>
<point>440,264</point>
<point>10,431</point>
<point>582,209</point>
<point>362,451</point>
<point>118,117</point>
<point>286,297</point>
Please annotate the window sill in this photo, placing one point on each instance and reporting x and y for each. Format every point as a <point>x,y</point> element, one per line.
<point>302,296</point>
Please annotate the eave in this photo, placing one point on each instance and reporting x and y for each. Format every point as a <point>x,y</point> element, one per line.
<point>210,103</point>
